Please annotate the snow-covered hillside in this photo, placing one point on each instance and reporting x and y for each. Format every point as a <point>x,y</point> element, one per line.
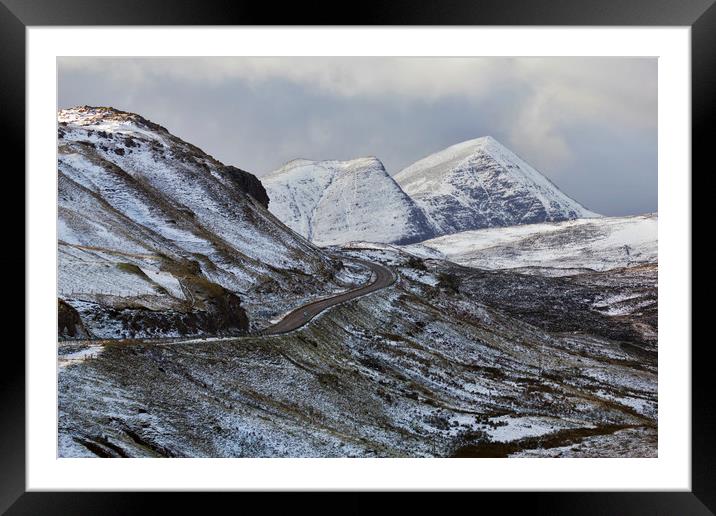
<point>150,224</point>
<point>597,244</point>
<point>480,183</point>
<point>158,239</point>
<point>448,361</point>
<point>331,202</point>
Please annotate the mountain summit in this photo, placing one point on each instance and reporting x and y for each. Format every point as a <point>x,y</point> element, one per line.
<point>157,238</point>
<point>480,183</point>
<point>332,202</point>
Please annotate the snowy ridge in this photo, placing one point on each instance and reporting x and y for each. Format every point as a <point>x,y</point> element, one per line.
<point>480,183</point>
<point>331,202</point>
<point>594,243</point>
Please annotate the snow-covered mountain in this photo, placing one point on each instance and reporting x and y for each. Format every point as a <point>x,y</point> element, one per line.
<point>480,183</point>
<point>555,248</point>
<point>332,202</point>
<point>158,238</point>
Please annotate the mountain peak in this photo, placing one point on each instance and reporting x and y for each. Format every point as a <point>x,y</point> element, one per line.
<point>482,140</point>
<point>106,118</point>
<point>475,143</point>
<point>332,202</point>
<point>367,162</point>
<point>481,183</point>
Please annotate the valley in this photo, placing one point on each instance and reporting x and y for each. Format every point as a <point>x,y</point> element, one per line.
<point>441,363</point>
<point>465,307</point>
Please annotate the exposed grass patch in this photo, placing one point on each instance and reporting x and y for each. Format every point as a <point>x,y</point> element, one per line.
<point>132,269</point>
<point>554,440</point>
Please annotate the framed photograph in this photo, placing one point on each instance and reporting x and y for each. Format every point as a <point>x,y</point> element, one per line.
<point>426,248</point>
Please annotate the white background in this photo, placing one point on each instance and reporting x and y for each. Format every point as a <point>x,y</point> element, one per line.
<point>670,471</point>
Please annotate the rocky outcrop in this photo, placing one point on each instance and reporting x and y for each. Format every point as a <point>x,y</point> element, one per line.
<point>69,323</point>
<point>250,184</point>
<point>223,316</point>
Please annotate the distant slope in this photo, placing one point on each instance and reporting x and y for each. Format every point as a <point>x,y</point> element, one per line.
<point>158,238</point>
<point>331,202</point>
<point>597,244</point>
<point>480,183</point>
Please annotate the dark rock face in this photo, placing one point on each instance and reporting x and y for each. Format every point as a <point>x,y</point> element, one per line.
<point>250,184</point>
<point>69,324</point>
<point>226,314</point>
<point>221,314</point>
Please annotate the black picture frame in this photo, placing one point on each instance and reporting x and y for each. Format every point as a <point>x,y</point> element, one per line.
<point>17,15</point>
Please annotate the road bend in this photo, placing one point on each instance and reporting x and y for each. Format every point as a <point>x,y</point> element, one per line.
<point>384,277</point>
<point>295,319</point>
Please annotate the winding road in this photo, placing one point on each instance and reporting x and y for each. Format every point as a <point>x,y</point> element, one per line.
<point>295,319</point>
<point>383,277</point>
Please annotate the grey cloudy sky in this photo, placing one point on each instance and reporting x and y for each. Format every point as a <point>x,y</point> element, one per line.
<point>589,124</point>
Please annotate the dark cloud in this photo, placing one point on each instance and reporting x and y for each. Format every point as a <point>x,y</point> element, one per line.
<point>603,155</point>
